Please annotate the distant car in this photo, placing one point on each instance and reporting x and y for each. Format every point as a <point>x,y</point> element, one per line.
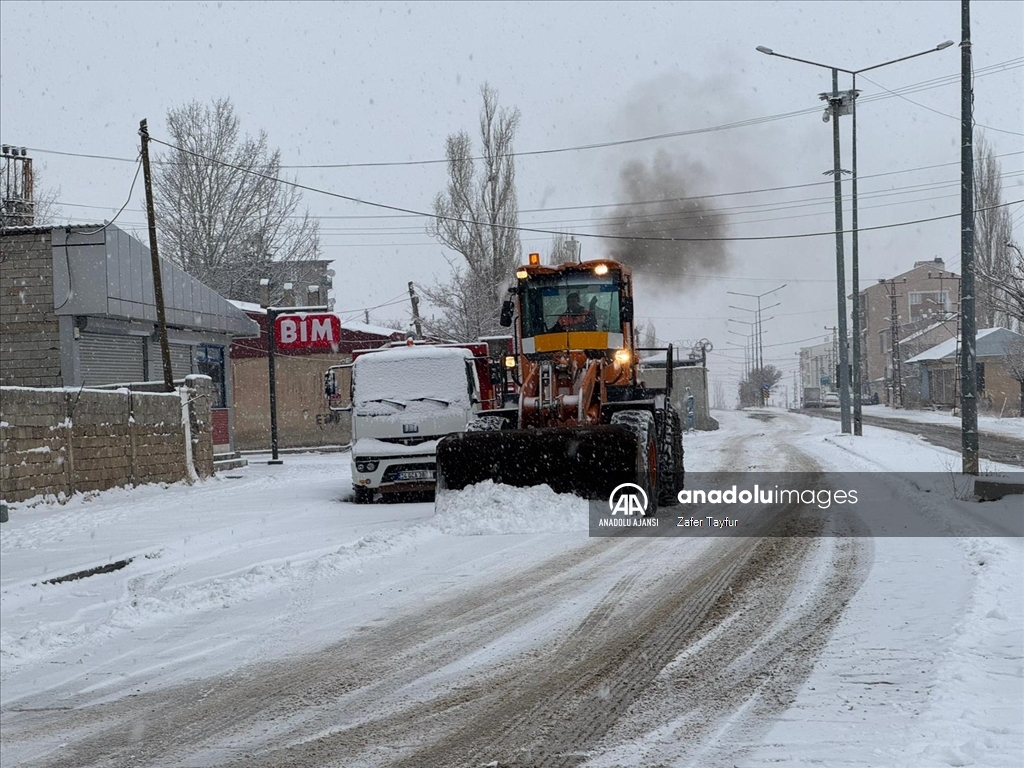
<point>830,400</point>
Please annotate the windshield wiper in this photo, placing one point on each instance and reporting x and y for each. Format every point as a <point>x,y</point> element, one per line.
<point>397,403</point>
<point>445,403</point>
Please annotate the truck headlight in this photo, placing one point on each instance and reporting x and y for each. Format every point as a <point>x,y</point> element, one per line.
<point>367,465</point>
<point>622,356</point>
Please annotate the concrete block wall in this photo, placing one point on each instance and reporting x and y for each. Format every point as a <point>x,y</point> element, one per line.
<point>58,442</point>
<point>200,394</point>
<point>29,335</point>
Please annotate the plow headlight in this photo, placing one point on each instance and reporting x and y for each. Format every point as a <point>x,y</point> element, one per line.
<point>622,356</point>
<point>601,269</point>
<point>510,361</point>
<point>522,274</point>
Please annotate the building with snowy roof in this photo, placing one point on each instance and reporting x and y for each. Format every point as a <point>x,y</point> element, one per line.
<point>77,309</point>
<point>1000,368</point>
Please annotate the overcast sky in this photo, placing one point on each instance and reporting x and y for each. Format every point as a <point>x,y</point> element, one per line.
<point>364,83</point>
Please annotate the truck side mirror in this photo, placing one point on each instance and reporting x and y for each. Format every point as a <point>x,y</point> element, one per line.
<point>336,399</point>
<point>626,309</point>
<point>506,313</point>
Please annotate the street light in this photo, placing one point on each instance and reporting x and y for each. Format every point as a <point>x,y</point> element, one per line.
<point>838,106</point>
<point>758,296</point>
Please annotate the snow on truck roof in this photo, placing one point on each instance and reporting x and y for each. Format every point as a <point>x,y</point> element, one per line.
<point>424,352</point>
<point>414,379</point>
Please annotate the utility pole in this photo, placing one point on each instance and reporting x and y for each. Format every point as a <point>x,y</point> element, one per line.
<point>833,358</point>
<point>894,344</point>
<point>415,310</point>
<point>366,316</point>
<point>837,104</point>
<point>968,339</point>
<point>158,285</point>
<point>855,309</point>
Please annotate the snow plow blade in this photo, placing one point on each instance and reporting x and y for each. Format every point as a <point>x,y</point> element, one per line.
<point>586,461</point>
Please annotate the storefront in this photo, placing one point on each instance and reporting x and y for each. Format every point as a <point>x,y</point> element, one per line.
<point>79,311</point>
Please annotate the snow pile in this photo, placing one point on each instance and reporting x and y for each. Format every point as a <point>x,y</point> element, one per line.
<point>490,508</point>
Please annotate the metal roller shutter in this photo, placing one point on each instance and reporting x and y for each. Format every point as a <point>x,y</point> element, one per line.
<point>181,361</point>
<point>111,359</point>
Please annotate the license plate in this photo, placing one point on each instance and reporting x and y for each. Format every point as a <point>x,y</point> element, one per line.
<point>417,474</point>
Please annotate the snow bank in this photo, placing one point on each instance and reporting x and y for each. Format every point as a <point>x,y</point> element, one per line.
<point>490,508</point>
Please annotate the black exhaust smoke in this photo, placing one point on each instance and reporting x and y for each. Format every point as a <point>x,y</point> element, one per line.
<point>662,203</point>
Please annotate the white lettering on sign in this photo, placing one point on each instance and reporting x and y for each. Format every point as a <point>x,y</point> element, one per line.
<point>302,331</point>
<point>322,331</point>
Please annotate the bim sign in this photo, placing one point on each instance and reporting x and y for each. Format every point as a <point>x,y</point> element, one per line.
<point>302,331</point>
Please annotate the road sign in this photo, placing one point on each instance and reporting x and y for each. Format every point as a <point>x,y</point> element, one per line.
<point>307,331</point>
<point>825,381</point>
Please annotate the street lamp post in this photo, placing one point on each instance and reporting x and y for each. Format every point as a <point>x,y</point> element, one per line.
<point>837,106</point>
<point>758,322</point>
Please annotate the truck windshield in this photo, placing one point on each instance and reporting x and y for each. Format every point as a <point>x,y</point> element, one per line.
<point>406,380</point>
<point>579,301</point>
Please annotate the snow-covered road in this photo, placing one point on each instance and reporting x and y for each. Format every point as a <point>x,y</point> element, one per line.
<point>264,620</point>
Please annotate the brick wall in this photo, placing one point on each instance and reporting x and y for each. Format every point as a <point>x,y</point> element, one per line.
<point>63,441</point>
<point>29,334</point>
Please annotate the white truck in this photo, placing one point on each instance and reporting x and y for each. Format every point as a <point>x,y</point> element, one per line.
<point>403,400</point>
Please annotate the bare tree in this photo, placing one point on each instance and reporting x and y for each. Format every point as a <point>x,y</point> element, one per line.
<point>992,231</point>
<point>1009,301</point>
<point>648,335</point>
<point>1015,367</point>
<point>477,216</point>
<point>718,388</point>
<point>231,222</point>
<point>558,250</point>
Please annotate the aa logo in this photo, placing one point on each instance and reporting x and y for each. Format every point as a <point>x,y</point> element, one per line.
<point>629,499</point>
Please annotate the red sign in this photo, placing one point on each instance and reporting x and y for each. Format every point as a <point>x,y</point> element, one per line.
<point>302,331</point>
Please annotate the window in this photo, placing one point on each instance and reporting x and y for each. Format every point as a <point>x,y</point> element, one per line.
<point>210,362</point>
<point>547,302</point>
<point>927,303</point>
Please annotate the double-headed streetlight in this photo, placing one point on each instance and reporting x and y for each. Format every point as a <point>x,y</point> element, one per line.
<point>757,326</point>
<point>748,347</point>
<point>845,103</point>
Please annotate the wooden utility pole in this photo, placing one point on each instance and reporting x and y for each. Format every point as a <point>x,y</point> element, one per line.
<point>158,285</point>
<point>415,310</point>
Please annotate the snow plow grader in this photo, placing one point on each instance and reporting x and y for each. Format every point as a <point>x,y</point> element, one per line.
<point>585,422</point>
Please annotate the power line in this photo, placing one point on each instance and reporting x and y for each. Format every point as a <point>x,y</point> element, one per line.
<point>829,199</point>
<point>937,112</point>
<point>131,190</point>
<point>911,88</point>
<point>598,236</point>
